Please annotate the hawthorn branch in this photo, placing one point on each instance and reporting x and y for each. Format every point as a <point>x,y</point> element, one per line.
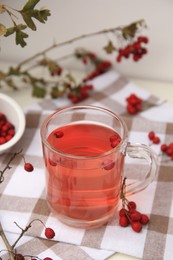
<point>68,42</point>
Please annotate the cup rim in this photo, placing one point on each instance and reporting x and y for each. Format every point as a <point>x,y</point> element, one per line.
<point>22,122</point>
<point>78,157</point>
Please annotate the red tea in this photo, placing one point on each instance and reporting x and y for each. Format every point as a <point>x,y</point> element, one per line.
<point>84,177</point>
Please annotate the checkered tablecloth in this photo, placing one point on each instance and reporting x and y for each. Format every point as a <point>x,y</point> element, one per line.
<point>22,195</point>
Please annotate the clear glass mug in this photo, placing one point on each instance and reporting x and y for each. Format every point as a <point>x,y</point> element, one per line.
<point>84,148</point>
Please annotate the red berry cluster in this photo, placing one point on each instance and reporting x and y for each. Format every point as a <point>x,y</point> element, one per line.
<point>134,104</point>
<point>135,50</point>
<point>129,215</point>
<point>153,137</point>
<point>101,68</point>
<point>80,93</point>
<point>167,149</point>
<point>7,129</point>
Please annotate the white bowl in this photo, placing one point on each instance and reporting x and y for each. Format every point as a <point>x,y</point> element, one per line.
<point>15,115</point>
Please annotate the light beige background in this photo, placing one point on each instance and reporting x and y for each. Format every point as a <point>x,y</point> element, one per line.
<point>73,18</point>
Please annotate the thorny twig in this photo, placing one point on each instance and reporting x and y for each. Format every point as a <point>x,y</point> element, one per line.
<point>8,167</point>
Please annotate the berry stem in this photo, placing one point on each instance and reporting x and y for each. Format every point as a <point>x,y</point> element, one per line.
<point>7,167</point>
<point>25,230</point>
<point>8,246</point>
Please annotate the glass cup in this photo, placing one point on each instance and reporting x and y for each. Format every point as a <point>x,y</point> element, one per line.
<point>84,149</point>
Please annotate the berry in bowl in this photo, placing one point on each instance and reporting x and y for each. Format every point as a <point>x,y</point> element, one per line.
<point>12,123</point>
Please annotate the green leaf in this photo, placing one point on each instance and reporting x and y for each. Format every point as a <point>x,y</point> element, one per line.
<point>28,12</point>
<point>109,48</point>
<point>14,71</point>
<point>20,36</point>
<point>13,29</point>
<point>30,4</point>
<point>27,18</point>
<point>41,15</point>
<point>70,78</point>
<point>38,91</point>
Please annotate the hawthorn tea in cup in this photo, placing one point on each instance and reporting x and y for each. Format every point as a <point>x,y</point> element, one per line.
<point>84,148</point>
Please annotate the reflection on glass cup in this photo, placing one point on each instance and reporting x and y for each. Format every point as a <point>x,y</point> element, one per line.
<point>84,148</point>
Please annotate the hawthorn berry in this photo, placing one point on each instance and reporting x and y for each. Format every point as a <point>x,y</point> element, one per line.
<point>28,167</point>
<point>131,205</point>
<point>136,226</point>
<point>122,212</point>
<point>58,134</point>
<point>156,140</point>
<point>19,257</point>
<point>169,151</point>
<point>135,216</point>
<point>163,147</point>
<point>123,221</point>
<point>144,219</point>
<point>49,233</point>
<point>151,135</point>
<point>108,164</point>
<point>115,140</point>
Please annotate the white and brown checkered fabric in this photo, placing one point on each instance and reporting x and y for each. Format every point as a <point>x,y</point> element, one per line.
<point>22,195</point>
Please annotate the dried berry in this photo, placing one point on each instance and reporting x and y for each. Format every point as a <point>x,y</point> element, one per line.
<point>49,233</point>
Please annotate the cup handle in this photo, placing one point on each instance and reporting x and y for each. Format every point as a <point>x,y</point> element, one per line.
<point>142,151</point>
